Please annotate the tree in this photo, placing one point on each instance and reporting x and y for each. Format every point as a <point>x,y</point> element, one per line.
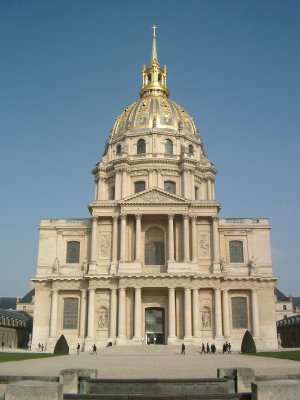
<point>248,344</point>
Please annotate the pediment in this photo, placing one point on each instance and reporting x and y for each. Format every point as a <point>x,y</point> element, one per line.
<point>153,196</point>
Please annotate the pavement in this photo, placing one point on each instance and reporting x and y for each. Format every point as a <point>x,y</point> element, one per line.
<point>151,361</point>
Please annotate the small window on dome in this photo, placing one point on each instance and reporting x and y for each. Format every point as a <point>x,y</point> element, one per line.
<point>170,187</point>
<point>191,149</point>
<point>141,146</point>
<point>119,149</point>
<point>139,186</point>
<point>168,147</point>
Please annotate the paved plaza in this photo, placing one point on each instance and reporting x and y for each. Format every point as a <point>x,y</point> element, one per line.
<point>151,362</point>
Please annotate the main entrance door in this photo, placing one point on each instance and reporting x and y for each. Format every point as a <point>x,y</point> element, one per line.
<point>155,325</point>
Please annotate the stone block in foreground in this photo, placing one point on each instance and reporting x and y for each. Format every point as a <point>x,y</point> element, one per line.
<point>276,390</point>
<point>34,390</point>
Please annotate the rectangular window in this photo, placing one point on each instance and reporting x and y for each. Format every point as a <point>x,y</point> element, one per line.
<point>236,251</point>
<point>284,307</point>
<point>73,251</point>
<point>139,186</point>
<point>70,314</point>
<point>239,313</point>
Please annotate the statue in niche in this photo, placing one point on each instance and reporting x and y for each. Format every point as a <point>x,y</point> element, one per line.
<point>103,318</point>
<point>105,245</point>
<point>55,266</point>
<point>206,319</point>
<point>252,265</point>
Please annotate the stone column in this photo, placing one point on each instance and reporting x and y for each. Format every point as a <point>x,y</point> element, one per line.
<point>100,189</point>
<point>91,313</point>
<point>186,238</point>
<point>96,182</point>
<point>192,185</point>
<point>138,237</point>
<point>82,313</point>
<point>218,313</point>
<point>113,314</point>
<point>171,236</point>
<point>195,312</point>
<point>216,245</point>
<point>209,190</point>
<point>171,313</point>
<point>115,240</point>
<point>255,317</point>
<point>123,237</point>
<point>187,314</point>
<point>159,178</point>
<point>225,302</point>
<point>122,315</point>
<point>185,184</point>
<point>194,239</point>
<point>118,185</point>
<point>53,317</point>
<point>203,195</point>
<point>94,241</point>
<point>137,313</point>
<point>124,183</point>
<point>213,190</point>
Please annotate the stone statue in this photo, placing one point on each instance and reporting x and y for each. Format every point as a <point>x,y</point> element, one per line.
<point>222,265</point>
<point>205,319</point>
<point>55,266</point>
<point>252,265</point>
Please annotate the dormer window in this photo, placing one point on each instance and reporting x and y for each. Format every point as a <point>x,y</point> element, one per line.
<point>191,150</point>
<point>119,149</point>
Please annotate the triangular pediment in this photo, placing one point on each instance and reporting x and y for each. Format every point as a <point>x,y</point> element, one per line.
<point>153,196</point>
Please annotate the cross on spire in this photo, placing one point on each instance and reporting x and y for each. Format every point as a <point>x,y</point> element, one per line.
<point>154,28</point>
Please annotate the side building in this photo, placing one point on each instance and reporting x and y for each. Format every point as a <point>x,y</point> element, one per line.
<point>155,263</point>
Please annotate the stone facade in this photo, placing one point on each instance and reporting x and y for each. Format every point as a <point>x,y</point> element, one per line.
<point>154,263</point>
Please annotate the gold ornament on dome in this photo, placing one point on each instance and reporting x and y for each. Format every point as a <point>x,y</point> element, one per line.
<point>143,111</point>
<point>165,110</point>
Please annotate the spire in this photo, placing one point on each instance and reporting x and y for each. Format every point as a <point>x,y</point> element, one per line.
<point>154,51</point>
<point>154,77</point>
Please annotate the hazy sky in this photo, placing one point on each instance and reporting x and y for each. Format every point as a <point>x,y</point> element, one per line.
<point>69,68</point>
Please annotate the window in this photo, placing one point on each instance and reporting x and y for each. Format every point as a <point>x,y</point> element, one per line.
<point>236,251</point>
<point>197,196</point>
<point>73,250</point>
<point>239,313</point>
<point>190,149</point>
<point>168,147</point>
<point>170,187</point>
<point>119,149</point>
<point>139,186</point>
<point>70,314</point>
<point>284,307</point>
<point>141,146</point>
<point>112,193</point>
<point>154,247</point>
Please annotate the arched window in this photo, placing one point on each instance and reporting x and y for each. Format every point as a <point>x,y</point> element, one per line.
<point>168,147</point>
<point>239,313</point>
<point>139,186</point>
<point>191,149</point>
<point>119,149</point>
<point>70,320</point>
<point>170,187</point>
<point>236,251</point>
<point>73,252</point>
<point>154,247</point>
<point>141,146</point>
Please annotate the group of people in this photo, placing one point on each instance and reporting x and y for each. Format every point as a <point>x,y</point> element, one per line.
<point>41,347</point>
<point>208,349</point>
<point>226,348</point>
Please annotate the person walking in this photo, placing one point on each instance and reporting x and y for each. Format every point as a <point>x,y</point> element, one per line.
<point>94,349</point>
<point>2,345</point>
<point>78,348</point>
<point>183,348</point>
<point>202,348</point>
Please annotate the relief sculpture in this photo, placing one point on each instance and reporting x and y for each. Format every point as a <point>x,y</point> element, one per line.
<point>105,246</point>
<point>103,318</point>
<point>204,246</point>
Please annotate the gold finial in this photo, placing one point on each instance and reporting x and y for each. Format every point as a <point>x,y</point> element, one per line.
<point>154,51</point>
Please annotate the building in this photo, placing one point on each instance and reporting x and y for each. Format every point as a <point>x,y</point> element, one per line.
<point>283,304</point>
<point>15,329</point>
<point>26,303</point>
<point>288,330</point>
<point>154,263</point>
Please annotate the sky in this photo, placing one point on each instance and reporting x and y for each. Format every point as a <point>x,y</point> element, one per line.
<point>68,68</point>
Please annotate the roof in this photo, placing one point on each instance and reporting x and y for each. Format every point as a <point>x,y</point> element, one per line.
<point>296,302</point>
<point>8,303</point>
<point>28,297</point>
<point>15,314</point>
<point>280,296</point>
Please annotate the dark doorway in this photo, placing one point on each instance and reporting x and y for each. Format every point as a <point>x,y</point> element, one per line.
<point>155,325</point>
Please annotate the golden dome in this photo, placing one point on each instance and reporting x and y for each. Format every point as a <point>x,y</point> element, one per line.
<point>154,110</point>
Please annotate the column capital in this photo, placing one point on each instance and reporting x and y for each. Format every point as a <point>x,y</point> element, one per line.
<point>83,291</point>
<point>138,216</point>
<point>115,218</point>
<point>91,290</point>
<point>186,216</point>
<point>123,216</point>
<point>215,218</point>
<point>54,290</point>
<point>170,216</point>
<point>194,218</point>
<point>94,219</point>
